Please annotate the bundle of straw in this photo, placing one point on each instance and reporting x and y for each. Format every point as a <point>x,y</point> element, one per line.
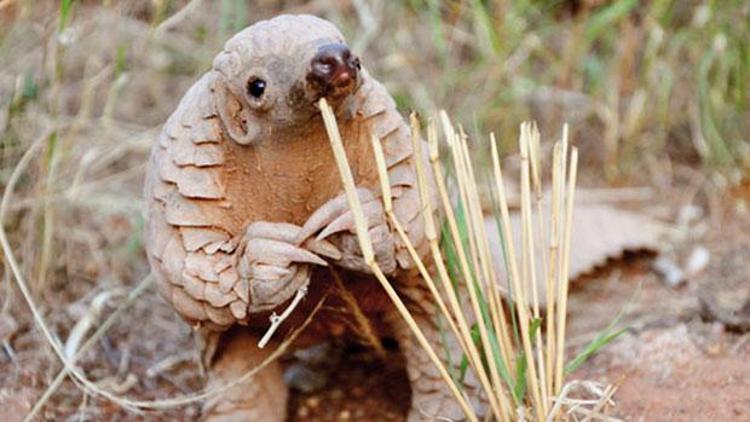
<point>519,365</point>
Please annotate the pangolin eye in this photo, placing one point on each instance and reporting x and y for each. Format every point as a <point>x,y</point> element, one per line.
<point>256,88</point>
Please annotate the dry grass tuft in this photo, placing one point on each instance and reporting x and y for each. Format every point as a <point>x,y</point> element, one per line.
<point>520,365</point>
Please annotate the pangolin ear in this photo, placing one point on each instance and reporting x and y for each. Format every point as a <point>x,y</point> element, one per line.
<point>238,120</point>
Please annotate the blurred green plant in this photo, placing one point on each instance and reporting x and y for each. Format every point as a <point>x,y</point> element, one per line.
<point>232,17</point>
<point>664,78</point>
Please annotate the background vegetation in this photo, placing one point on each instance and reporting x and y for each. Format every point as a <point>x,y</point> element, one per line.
<point>656,92</point>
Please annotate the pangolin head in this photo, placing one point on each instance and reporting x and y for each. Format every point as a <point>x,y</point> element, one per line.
<point>274,72</point>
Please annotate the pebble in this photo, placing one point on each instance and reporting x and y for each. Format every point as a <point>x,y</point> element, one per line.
<point>312,402</point>
<point>314,355</point>
<point>698,260</point>
<point>669,271</point>
<point>337,394</point>
<point>302,378</point>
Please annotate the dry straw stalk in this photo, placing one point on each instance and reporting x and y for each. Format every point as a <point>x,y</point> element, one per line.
<point>492,344</point>
<point>369,256</point>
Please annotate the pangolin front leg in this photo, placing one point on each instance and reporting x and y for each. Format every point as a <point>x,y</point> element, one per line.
<point>256,271</point>
<point>274,265</point>
<point>335,221</point>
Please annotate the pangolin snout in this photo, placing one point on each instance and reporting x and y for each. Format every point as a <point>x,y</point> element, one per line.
<point>334,70</point>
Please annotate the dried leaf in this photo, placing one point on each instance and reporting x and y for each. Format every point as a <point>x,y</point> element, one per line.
<point>600,232</point>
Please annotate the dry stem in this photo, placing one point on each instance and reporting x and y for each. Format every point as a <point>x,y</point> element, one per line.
<point>369,256</point>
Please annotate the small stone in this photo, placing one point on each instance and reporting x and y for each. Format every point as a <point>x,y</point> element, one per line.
<point>689,214</point>
<point>714,349</point>
<point>302,378</point>
<point>345,415</point>
<point>313,402</point>
<point>669,271</point>
<point>192,412</point>
<point>697,261</point>
<point>314,355</point>
<point>337,394</point>
<point>303,412</point>
<point>336,329</point>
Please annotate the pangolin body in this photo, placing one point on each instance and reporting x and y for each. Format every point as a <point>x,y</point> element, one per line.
<point>243,167</point>
<point>204,188</point>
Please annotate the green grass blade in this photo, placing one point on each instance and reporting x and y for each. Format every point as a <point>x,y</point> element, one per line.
<point>519,389</point>
<point>596,344</point>
<point>603,20</point>
<point>605,337</point>
<point>719,153</point>
<point>65,7</point>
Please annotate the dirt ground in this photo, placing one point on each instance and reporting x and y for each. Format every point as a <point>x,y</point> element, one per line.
<point>684,357</point>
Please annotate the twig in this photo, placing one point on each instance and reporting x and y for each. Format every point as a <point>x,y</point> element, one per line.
<point>177,18</point>
<point>84,324</point>
<point>168,363</point>
<point>132,296</point>
<point>277,320</point>
<point>362,322</point>
<point>603,401</point>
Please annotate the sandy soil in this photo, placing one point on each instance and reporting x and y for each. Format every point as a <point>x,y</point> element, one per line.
<point>684,357</point>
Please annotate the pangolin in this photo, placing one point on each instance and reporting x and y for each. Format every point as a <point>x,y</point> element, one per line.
<point>245,206</point>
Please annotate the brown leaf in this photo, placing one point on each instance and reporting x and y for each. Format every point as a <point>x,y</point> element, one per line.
<point>599,233</point>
